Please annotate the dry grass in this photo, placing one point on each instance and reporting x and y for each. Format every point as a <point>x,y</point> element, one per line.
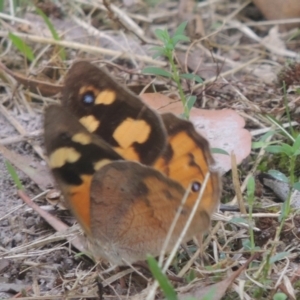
<point>239,60</point>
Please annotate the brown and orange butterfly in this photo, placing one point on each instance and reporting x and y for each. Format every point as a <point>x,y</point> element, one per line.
<point>124,169</point>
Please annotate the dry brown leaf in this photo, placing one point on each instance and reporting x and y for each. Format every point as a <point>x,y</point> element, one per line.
<point>224,129</point>
<point>279,9</point>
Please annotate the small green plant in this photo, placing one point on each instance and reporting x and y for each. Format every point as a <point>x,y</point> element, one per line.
<point>21,46</point>
<point>250,244</point>
<point>14,175</point>
<point>162,279</point>
<point>1,5</point>
<point>280,296</point>
<point>167,50</point>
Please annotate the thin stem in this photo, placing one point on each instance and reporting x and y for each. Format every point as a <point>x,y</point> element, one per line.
<point>176,78</point>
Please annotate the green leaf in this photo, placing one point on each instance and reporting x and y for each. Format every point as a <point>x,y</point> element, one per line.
<point>247,244</point>
<point>297,186</point>
<point>169,46</point>
<point>190,101</point>
<point>274,149</point>
<point>279,256</point>
<point>267,135</point>
<point>157,71</point>
<point>53,31</point>
<point>280,296</point>
<point>180,29</point>
<point>158,51</point>
<point>251,186</point>
<point>158,54</point>
<point>287,149</point>
<point>296,145</point>
<point>162,35</point>
<point>192,76</point>
<point>264,144</point>
<point>297,152</point>
<point>162,279</point>
<point>258,145</point>
<point>14,175</point>
<point>179,38</point>
<point>21,46</point>
<point>280,126</point>
<point>219,151</point>
<point>278,175</point>
<point>48,23</point>
<point>284,210</point>
<point>1,5</point>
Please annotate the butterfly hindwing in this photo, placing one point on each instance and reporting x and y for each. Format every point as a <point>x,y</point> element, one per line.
<point>132,208</point>
<point>187,159</point>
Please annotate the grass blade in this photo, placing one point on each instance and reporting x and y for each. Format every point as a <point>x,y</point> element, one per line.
<point>162,279</point>
<point>53,31</point>
<point>21,46</point>
<point>14,175</point>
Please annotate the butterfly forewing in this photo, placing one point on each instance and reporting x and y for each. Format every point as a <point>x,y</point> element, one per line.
<point>74,155</point>
<point>113,112</point>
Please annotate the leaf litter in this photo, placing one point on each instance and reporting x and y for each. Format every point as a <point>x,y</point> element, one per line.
<point>238,68</point>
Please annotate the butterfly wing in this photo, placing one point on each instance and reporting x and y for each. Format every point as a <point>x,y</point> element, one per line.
<point>74,155</point>
<point>127,208</point>
<point>132,209</point>
<point>137,133</point>
<point>114,113</point>
<point>187,159</point>
<point>124,207</point>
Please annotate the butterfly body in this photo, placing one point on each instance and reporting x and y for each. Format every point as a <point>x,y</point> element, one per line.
<point>124,169</point>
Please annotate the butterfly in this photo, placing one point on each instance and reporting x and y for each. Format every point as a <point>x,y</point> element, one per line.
<point>124,169</point>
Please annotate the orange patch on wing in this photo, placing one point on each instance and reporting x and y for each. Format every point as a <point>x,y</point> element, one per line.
<point>128,153</point>
<point>207,202</point>
<point>90,123</point>
<point>62,156</point>
<point>81,138</point>
<point>105,97</point>
<point>187,165</point>
<point>131,131</point>
<point>79,201</point>
<point>101,163</point>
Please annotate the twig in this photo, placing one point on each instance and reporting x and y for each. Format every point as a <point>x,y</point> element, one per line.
<point>84,47</point>
<point>58,225</point>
